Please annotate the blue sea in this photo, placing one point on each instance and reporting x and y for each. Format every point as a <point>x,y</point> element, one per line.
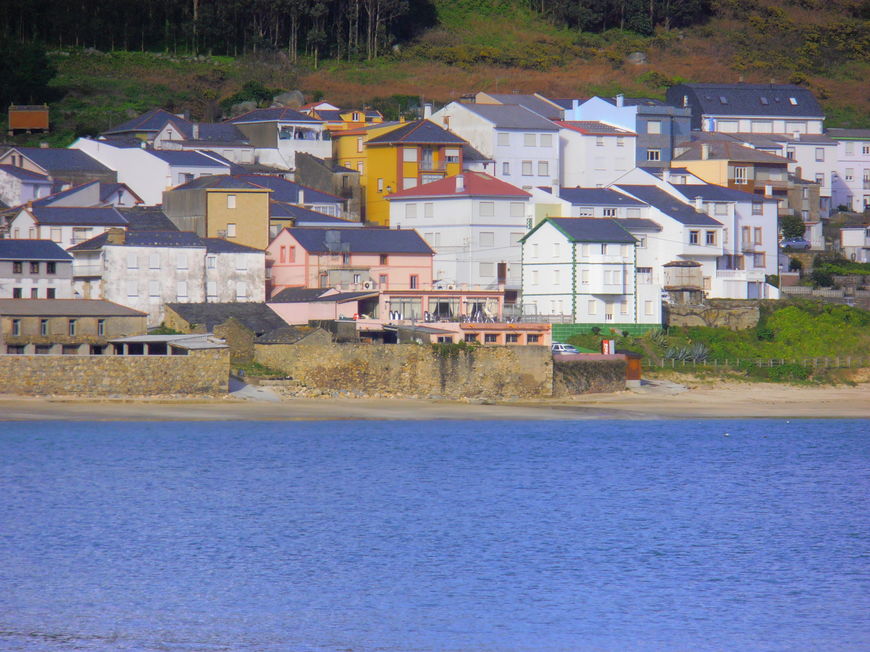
<point>449,535</point>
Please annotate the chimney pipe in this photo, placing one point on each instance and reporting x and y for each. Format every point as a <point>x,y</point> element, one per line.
<point>699,204</point>
<point>195,131</point>
<point>666,175</point>
<point>427,111</point>
<point>705,151</point>
<point>620,100</point>
<point>300,197</point>
<point>460,183</point>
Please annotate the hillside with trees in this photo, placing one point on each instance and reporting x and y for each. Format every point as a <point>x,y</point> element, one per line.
<point>114,59</point>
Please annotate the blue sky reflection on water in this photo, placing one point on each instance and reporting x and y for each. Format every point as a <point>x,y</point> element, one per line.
<point>599,535</point>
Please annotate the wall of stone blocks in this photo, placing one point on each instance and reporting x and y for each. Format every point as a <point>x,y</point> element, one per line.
<point>588,376</point>
<point>735,314</point>
<point>200,372</point>
<point>416,370</point>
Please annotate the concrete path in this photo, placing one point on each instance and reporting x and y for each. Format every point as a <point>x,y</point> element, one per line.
<point>240,389</point>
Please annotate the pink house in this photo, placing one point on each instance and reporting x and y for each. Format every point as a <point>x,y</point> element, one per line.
<point>351,259</point>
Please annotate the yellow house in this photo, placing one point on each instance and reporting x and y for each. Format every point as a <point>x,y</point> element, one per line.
<point>394,157</point>
<point>337,119</point>
<point>221,207</point>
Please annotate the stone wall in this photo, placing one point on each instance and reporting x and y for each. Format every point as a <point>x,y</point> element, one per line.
<point>415,370</point>
<point>734,314</point>
<point>200,372</point>
<point>588,376</point>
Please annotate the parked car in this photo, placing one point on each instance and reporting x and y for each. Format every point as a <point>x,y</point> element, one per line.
<point>795,243</point>
<point>559,347</point>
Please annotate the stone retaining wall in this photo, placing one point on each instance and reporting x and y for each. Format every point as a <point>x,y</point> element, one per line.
<point>588,376</point>
<point>735,314</point>
<point>415,370</point>
<point>200,372</point>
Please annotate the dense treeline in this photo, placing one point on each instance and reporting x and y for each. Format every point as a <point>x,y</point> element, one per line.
<point>641,16</point>
<point>344,29</point>
<point>318,28</point>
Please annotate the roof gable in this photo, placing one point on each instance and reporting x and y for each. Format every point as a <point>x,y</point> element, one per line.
<point>57,160</point>
<point>417,132</point>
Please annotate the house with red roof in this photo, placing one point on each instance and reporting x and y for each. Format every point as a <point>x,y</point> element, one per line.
<point>473,222</point>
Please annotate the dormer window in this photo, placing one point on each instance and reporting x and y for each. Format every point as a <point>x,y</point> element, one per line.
<point>764,101</point>
<point>793,101</point>
<point>723,99</point>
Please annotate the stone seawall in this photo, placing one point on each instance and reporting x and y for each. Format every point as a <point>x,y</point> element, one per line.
<point>588,376</point>
<point>416,370</point>
<point>200,372</point>
<point>734,314</point>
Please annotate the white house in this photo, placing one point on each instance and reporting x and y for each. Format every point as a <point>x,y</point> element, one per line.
<point>94,193</point>
<point>19,186</point>
<point>594,154</point>
<point>524,145</point>
<point>145,270</point>
<point>583,270</point>
<point>278,134</point>
<point>148,172</point>
<point>34,269</point>
<point>851,183</point>
<point>63,224</point>
<point>473,222</point>
<point>855,243</point>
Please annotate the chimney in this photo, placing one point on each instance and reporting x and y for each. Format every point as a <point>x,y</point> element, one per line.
<point>116,236</point>
<point>799,172</point>
<point>575,104</point>
<point>427,110</point>
<point>685,101</point>
<point>43,145</point>
<point>460,183</point>
<point>620,100</point>
<point>195,131</point>
<point>300,197</point>
<point>705,151</point>
<point>666,175</point>
<point>699,204</point>
<point>797,135</point>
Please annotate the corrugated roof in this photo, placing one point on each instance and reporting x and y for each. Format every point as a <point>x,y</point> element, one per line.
<point>25,175</point>
<point>589,229</point>
<point>103,216</point>
<point>56,160</point>
<point>475,184</point>
<point>32,250</point>
<point>273,115</point>
<point>508,116</point>
<point>417,132</point>
<point>366,240</point>
<point>748,99</point>
<point>593,128</point>
<point>258,317</point>
<point>65,308</point>
<point>670,205</point>
<point>596,197</point>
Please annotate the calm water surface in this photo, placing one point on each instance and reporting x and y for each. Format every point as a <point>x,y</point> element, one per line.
<point>398,536</point>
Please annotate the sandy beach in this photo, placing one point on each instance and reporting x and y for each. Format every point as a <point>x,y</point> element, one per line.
<point>722,400</point>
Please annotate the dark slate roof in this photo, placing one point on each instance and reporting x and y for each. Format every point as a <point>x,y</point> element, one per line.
<point>184,157</point>
<point>635,101</point>
<point>62,160</point>
<point>848,134</point>
<point>748,99</point>
<point>122,142</point>
<point>596,197</point>
<point>470,154</point>
<point>531,102</point>
<point>590,229</point>
<point>32,250</point>
<point>710,192</point>
<point>511,116</point>
<point>221,246</point>
<point>147,218</point>
<point>258,317</point>
<point>365,240</point>
<point>272,115</point>
<point>107,190</point>
<point>297,295</point>
<point>144,239</point>
<point>418,131</point>
<point>218,181</point>
<point>24,175</point>
<point>729,150</point>
<point>219,132</point>
<point>286,334</point>
<point>330,115</point>
<point>565,102</point>
<point>670,206</point>
<point>104,216</point>
<point>65,308</point>
<point>151,121</point>
<point>301,214</point>
<point>639,224</point>
<point>288,191</point>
